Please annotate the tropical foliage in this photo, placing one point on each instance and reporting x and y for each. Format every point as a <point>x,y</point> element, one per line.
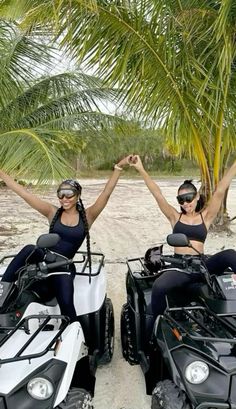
<point>43,115</point>
<point>101,152</point>
<point>174,61</point>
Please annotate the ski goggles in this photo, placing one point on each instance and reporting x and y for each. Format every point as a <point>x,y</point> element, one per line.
<point>67,193</point>
<point>186,197</point>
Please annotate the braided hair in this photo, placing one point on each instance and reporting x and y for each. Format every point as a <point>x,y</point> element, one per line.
<point>86,227</point>
<point>188,185</point>
<point>80,208</point>
<point>55,217</point>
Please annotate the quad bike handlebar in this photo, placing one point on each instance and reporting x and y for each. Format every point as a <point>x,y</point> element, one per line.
<point>185,262</point>
<point>44,267</point>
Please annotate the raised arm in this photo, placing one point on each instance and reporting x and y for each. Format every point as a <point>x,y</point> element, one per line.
<point>169,211</point>
<point>96,208</point>
<point>215,202</point>
<point>43,207</point>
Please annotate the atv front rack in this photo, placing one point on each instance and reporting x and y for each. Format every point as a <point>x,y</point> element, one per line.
<point>190,321</point>
<point>137,268</point>
<point>24,325</point>
<point>85,263</point>
<point>81,258</point>
<point>186,264</point>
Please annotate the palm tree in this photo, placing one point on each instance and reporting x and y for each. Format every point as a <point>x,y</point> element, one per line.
<point>174,62</point>
<point>41,114</point>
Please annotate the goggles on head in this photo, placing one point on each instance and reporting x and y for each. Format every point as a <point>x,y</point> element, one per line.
<point>73,183</point>
<point>186,197</point>
<point>67,193</point>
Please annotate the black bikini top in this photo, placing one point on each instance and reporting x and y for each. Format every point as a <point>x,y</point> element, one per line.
<point>196,232</point>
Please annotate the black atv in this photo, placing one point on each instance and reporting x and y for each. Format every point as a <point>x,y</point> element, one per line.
<point>188,354</point>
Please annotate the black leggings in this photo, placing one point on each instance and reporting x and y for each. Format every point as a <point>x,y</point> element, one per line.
<point>59,286</point>
<point>170,281</point>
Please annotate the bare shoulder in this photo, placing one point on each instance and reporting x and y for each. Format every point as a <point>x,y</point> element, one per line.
<point>207,216</point>
<point>52,213</point>
<point>175,217</point>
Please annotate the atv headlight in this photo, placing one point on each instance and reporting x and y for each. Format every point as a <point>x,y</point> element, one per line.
<point>197,372</point>
<point>40,388</point>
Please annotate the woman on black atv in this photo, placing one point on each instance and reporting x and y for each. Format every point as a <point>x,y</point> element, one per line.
<point>72,222</point>
<point>194,221</point>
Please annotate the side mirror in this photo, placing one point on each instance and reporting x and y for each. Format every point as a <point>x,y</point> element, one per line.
<point>178,240</point>
<point>45,241</point>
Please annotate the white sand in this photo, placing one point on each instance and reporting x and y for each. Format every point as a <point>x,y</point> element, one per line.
<point>128,226</point>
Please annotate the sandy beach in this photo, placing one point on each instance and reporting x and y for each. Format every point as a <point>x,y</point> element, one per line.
<point>128,226</point>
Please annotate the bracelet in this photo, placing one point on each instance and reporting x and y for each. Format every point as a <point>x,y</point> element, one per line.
<point>117,167</point>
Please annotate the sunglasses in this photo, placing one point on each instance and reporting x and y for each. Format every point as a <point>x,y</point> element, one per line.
<point>186,197</point>
<point>67,193</point>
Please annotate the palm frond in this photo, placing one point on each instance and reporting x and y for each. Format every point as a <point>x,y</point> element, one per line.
<point>42,115</point>
<point>54,97</point>
<point>39,154</point>
<point>173,61</point>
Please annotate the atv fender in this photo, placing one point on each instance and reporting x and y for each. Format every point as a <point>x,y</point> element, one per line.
<point>70,350</point>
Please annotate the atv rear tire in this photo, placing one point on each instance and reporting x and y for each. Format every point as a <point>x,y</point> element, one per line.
<point>77,399</point>
<point>109,334</point>
<point>127,343</point>
<point>166,395</point>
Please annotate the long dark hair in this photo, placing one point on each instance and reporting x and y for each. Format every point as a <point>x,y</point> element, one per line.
<point>188,185</point>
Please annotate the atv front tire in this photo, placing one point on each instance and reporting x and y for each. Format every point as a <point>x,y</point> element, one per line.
<point>166,395</point>
<point>109,334</point>
<point>77,399</point>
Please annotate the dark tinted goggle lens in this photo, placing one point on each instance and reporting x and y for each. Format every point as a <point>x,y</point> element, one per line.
<point>187,197</point>
<point>68,193</point>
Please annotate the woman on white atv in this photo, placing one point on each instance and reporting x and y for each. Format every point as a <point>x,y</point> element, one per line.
<point>194,221</point>
<point>72,222</point>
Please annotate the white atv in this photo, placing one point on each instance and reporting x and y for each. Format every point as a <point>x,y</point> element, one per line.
<point>45,361</point>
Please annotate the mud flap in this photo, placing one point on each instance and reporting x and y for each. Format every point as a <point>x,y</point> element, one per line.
<point>83,377</point>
